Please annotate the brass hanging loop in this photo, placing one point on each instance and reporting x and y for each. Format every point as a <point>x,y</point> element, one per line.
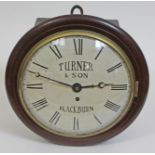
<point>77,7</point>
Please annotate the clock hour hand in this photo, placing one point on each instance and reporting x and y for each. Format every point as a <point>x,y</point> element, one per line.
<point>99,85</point>
<point>37,74</point>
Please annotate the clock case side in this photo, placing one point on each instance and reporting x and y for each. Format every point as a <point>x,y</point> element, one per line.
<point>75,22</point>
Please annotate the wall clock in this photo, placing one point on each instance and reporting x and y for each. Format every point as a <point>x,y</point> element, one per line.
<point>77,79</point>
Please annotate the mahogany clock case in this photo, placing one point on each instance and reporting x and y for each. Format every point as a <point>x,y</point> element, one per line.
<point>78,22</point>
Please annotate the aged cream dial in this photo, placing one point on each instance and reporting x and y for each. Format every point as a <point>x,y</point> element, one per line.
<point>76,83</point>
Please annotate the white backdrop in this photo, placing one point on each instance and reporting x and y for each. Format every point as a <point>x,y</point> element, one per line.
<point>137,18</point>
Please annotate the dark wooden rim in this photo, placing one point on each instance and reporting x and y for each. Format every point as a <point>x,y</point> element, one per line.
<point>69,22</point>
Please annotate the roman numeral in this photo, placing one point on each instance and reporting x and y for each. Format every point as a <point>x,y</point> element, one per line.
<point>37,64</point>
<point>55,118</point>
<point>78,45</point>
<point>97,119</point>
<point>56,51</point>
<point>99,53</point>
<point>75,123</point>
<point>114,67</point>
<point>112,106</point>
<point>40,104</point>
<point>119,87</point>
<point>35,86</point>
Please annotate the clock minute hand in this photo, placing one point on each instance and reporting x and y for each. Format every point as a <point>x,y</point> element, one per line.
<point>37,74</point>
<point>60,82</point>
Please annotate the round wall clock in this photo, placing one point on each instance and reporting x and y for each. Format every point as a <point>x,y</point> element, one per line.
<point>77,79</point>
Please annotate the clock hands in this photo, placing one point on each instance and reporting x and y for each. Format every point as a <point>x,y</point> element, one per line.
<point>75,87</point>
<point>37,74</point>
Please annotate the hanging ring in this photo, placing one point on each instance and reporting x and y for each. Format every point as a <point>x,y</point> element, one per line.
<point>77,7</point>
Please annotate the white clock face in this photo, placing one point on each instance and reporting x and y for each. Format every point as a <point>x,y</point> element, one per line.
<point>76,84</point>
